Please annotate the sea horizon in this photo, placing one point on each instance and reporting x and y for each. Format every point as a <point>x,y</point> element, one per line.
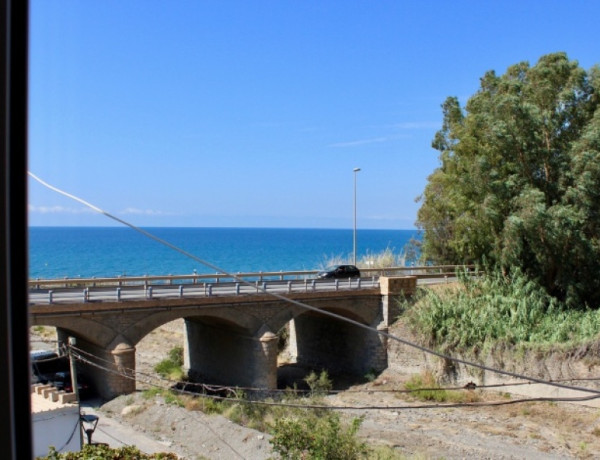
<point>224,226</point>
<point>107,251</point>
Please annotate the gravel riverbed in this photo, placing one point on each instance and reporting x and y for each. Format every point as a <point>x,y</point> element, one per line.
<point>540,430</point>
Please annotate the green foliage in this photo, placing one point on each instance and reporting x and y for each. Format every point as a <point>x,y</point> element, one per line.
<point>317,437</point>
<point>519,180</point>
<point>425,388</point>
<point>320,384</point>
<point>498,309</point>
<point>101,452</point>
<point>172,366</point>
<point>169,396</point>
<point>176,356</point>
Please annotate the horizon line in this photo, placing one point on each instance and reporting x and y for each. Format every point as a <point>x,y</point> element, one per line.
<point>223,226</point>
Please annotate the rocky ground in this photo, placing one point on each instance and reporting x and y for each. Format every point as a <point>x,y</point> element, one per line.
<point>541,430</point>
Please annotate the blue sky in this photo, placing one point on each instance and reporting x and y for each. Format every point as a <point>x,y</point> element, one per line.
<point>254,113</point>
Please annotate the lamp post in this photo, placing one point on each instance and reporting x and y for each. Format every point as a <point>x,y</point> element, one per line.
<point>354,246</point>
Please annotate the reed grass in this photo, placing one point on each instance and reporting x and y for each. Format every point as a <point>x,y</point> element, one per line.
<point>498,310</point>
<point>382,259</point>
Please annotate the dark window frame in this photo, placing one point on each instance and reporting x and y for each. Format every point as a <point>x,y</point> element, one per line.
<point>15,391</point>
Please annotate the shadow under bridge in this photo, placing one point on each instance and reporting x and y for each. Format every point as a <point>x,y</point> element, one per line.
<point>273,343</point>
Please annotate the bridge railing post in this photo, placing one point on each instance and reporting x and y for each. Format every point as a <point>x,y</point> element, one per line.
<point>209,290</point>
<point>149,292</point>
<point>289,287</point>
<point>181,291</point>
<point>314,285</point>
<point>337,284</point>
<point>50,292</point>
<point>86,295</point>
<point>237,288</point>
<point>118,294</point>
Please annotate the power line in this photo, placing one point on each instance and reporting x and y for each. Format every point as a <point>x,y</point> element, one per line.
<point>131,375</point>
<point>310,307</point>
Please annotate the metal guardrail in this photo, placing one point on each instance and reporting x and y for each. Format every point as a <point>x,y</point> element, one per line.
<point>216,278</point>
<point>181,291</point>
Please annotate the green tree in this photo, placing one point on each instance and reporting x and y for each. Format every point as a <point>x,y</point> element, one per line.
<point>519,179</point>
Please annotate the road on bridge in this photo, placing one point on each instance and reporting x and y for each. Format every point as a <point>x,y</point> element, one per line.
<point>132,293</point>
<point>62,295</point>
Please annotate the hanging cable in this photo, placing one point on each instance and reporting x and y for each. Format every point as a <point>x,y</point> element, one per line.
<point>310,307</point>
<point>130,374</point>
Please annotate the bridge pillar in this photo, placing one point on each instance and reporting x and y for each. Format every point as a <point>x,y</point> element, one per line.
<point>221,353</point>
<point>62,337</point>
<point>118,358</point>
<point>321,342</point>
<point>123,381</point>
<point>379,356</point>
<point>266,362</point>
<point>394,288</point>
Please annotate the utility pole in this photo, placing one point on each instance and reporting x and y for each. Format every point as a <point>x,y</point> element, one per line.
<point>72,343</point>
<point>354,245</point>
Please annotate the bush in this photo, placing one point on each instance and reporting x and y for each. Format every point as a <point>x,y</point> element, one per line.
<point>172,366</point>
<point>317,437</point>
<point>102,452</point>
<point>319,385</point>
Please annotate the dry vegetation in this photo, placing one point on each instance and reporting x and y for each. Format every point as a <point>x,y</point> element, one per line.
<point>524,430</point>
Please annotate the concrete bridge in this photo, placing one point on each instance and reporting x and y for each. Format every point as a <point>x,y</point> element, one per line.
<point>233,339</point>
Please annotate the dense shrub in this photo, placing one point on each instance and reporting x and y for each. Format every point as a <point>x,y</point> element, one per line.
<point>314,436</point>
<point>171,367</point>
<point>498,309</point>
<point>102,452</point>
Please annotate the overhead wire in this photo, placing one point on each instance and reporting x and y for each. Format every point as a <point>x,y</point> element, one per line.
<point>134,375</point>
<point>310,307</point>
<point>263,402</point>
<point>131,374</point>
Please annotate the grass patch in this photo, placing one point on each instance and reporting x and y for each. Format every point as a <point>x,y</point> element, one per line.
<point>424,387</point>
<point>169,396</point>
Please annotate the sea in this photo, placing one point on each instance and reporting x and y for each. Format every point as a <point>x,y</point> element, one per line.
<point>71,252</point>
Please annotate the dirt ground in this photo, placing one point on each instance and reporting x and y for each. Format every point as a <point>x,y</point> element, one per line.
<point>541,430</point>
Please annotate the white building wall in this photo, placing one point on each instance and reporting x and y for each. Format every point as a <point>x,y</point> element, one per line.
<point>54,424</point>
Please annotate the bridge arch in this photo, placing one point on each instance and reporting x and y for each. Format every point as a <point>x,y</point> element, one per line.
<point>232,340</point>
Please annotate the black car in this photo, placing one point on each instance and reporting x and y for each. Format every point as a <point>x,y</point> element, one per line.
<point>62,381</point>
<point>339,271</point>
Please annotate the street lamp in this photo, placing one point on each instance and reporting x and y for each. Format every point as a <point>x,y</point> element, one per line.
<point>354,246</point>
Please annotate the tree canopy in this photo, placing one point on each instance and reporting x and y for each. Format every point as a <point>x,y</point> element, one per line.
<point>519,180</point>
